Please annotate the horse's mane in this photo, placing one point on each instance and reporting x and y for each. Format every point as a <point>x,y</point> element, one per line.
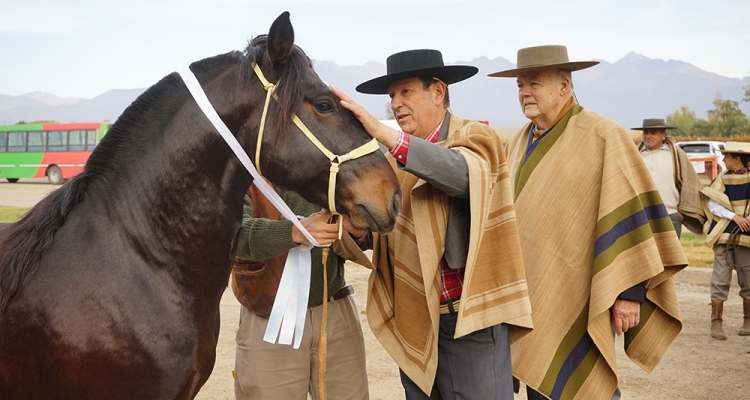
<point>290,80</point>
<point>23,243</point>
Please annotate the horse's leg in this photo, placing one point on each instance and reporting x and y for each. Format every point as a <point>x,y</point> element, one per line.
<point>205,358</point>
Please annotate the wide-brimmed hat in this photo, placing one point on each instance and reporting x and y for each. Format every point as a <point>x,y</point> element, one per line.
<point>736,147</point>
<point>543,57</point>
<point>416,64</point>
<point>653,123</point>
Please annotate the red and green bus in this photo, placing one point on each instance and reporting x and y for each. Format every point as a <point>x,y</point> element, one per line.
<point>55,151</point>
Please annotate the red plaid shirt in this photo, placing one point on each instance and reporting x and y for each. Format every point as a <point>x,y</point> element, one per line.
<point>451,280</point>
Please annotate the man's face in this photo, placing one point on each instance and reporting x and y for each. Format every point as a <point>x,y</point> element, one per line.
<point>654,138</point>
<point>539,93</point>
<point>417,110</point>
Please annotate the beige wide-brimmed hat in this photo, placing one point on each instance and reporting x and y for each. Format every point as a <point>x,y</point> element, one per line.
<point>736,147</point>
<point>653,123</point>
<point>543,57</point>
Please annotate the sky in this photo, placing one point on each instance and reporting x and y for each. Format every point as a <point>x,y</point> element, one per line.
<point>82,48</point>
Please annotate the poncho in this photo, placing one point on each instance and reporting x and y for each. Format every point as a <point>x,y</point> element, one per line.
<point>404,298</point>
<point>592,225</point>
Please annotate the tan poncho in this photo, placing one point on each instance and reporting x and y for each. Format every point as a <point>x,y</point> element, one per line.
<point>731,191</point>
<point>592,225</point>
<point>402,307</point>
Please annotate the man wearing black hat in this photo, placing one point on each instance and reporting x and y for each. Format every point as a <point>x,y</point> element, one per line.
<point>674,176</point>
<point>598,246</point>
<point>448,288</point>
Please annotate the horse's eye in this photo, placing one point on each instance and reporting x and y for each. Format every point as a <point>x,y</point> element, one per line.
<point>324,107</point>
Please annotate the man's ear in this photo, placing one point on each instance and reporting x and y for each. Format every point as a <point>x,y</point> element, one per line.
<point>440,88</point>
<point>564,85</point>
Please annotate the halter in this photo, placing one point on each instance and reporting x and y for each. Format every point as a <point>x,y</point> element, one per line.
<point>336,160</point>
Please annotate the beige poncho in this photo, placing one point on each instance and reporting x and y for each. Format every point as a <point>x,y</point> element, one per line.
<point>404,298</point>
<point>592,225</point>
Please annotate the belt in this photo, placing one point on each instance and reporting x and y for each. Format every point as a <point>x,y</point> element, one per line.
<point>449,307</point>
<point>343,292</point>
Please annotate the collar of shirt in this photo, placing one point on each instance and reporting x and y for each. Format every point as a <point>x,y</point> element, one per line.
<point>434,135</point>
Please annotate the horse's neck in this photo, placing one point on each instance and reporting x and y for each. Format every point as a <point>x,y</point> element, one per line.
<point>183,204</point>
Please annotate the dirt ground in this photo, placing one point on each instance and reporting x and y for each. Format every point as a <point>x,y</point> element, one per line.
<point>696,367</point>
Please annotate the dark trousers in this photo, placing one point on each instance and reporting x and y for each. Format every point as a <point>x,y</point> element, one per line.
<point>473,367</point>
<point>676,223</point>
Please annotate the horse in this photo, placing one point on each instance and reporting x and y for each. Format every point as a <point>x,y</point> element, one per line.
<point>110,286</point>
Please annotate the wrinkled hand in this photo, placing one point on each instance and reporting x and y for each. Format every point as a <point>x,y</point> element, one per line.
<point>381,133</point>
<point>742,222</point>
<point>625,315</point>
<point>318,226</point>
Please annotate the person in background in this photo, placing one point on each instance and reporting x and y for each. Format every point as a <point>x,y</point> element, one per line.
<point>275,371</point>
<point>674,176</point>
<point>726,203</point>
<point>598,244</point>
<point>448,289</point>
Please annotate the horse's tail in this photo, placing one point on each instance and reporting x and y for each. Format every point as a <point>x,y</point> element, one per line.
<point>23,243</point>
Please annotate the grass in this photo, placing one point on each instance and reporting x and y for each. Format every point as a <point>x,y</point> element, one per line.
<point>698,254</point>
<point>12,214</point>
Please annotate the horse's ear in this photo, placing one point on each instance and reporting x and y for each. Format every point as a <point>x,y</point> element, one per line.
<point>280,39</point>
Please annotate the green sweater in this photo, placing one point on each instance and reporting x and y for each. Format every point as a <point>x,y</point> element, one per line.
<point>262,238</point>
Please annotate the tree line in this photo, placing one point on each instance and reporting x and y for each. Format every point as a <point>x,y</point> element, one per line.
<point>725,121</point>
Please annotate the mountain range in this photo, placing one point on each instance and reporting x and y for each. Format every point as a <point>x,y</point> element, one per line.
<point>627,91</point>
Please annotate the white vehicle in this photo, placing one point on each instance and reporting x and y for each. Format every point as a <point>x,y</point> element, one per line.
<point>703,149</point>
<point>706,158</point>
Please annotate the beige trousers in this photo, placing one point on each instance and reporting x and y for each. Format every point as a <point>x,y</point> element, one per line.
<point>274,372</point>
<point>721,277</point>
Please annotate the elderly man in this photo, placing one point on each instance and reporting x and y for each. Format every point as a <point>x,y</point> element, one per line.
<point>448,287</point>
<point>674,176</point>
<point>598,245</point>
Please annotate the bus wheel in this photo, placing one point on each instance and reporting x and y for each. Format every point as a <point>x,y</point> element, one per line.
<point>54,175</point>
<point>12,180</point>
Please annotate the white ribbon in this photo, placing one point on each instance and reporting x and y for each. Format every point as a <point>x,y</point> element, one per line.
<point>290,306</point>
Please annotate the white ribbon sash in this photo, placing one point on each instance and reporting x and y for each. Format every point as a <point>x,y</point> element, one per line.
<point>290,306</point>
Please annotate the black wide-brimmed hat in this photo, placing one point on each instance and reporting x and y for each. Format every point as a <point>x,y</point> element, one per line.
<point>543,57</point>
<point>416,64</point>
<point>653,123</point>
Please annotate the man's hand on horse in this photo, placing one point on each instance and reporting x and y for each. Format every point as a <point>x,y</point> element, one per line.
<point>382,133</point>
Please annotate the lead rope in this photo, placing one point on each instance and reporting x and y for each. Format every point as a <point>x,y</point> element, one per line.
<point>323,340</point>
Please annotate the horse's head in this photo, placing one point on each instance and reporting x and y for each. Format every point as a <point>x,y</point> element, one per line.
<point>366,188</point>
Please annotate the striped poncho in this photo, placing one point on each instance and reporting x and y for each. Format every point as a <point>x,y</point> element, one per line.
<point>592,225</point>
<point>733,192</point>
<point>404,296</point>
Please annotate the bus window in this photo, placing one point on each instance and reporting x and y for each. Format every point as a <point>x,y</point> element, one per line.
<point>16,142</point>
<point>37,141</point>
<point>3,142</point>
<point>91,142</point>
<point>77,141</point>
<point>57,141</point>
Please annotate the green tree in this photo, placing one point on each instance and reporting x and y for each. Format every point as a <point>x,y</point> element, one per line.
<point>727,118</point>
<point>747,93</point>
<point>682,119</point>
<point>702,128</point>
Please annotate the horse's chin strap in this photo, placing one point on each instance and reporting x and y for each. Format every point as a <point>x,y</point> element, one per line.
<point>336,160</point>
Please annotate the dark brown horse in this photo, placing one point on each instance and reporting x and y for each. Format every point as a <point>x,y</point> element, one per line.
<point>110,286</point>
